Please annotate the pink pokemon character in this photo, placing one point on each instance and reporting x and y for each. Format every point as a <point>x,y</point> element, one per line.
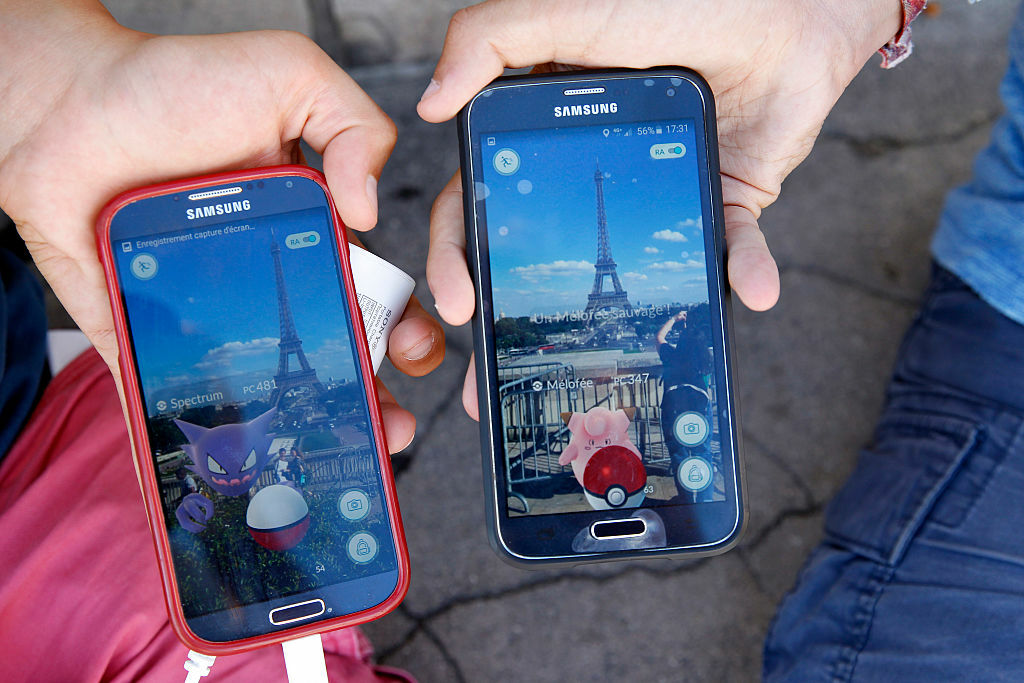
<point>606,463</point>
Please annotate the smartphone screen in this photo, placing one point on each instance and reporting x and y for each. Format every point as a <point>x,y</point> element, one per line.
<point>602,264</point>
<point>255,407</point>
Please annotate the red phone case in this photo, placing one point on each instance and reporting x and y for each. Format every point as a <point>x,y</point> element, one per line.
<point>140,440</point>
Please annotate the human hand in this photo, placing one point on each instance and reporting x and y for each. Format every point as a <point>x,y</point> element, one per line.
<point>680,316</point>
<point>110,109</point>
<point>776,70</point>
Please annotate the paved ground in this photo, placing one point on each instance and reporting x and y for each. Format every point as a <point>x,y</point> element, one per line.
<point>850,235</point>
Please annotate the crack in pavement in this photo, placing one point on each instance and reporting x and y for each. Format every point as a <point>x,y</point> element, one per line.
<point>744,550</point>
<point>424,619</point>
<point>878,145</point>
<point>543,582</point>
<point>385,653</point>
<point>786,468</point>
<point>810,507</point>
<point>867,289</point>
<point>445,654</point>
<point>781,518</point>
<point>743,555</point>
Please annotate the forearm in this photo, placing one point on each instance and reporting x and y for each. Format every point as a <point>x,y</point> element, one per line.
<point>662,335</point>
<point>42,51</point>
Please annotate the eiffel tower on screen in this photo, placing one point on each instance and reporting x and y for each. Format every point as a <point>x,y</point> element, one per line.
<point>290,345</point>
<point>599,298</point>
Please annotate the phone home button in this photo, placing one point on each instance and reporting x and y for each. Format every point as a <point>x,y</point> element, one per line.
<point>289,614</point>
<point>618,528</point>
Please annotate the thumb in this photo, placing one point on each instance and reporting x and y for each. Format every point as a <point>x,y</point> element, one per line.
<point>753,275</point>
<point>354,136</point>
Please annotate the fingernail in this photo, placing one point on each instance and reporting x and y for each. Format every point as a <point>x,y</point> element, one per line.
<point>432,88</point>
<point>389,409</point>
<point>371,189</point>
<point>420,349</point>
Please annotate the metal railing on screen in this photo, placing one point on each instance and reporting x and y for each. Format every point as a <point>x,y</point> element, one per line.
<point>533,398</point>
<point>326,469</point>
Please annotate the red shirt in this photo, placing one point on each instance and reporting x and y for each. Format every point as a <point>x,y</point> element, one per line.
<point>80,596</point>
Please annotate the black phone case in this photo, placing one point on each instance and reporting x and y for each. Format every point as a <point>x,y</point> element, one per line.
<point>483,338</point>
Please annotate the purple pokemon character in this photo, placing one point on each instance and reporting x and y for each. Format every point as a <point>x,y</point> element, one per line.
<point>229,458</point>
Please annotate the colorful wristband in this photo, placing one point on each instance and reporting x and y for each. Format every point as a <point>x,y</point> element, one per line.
<point>900,47</point>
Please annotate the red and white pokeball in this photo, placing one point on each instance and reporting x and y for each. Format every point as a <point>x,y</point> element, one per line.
<point>278,517</point>
<point>614,478</point>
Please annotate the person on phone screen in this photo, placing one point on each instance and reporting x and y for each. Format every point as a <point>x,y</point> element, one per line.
<point>683,389</point>
<point>297,466</point>
<point>920,576</point>
<point>281,467</point>
<point>186,482</point>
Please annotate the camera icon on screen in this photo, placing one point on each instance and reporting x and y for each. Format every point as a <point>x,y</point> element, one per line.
<point>691,429</point>
<point>354,504</point>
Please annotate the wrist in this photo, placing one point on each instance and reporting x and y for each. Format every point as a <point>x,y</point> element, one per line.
<point>900,46</point>
<point>866,26</point>
<point>885,17</point>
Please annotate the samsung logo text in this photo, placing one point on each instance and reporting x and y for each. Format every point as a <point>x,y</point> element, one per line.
<point>218,209</point>
<point>587,109</point>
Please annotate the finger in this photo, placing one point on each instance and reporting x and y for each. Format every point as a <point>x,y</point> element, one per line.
<point>484,39</point>
<point>469,59</point>
<point>481,41</point>
<point>469,397</point>
<point>353,134</point>
<point>753,273</point>
<point>447,271</point>
<point>416,345</point>
<point>399,423</point>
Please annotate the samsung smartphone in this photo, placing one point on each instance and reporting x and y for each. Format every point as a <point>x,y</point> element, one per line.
<point>252,407</point>
<point>595,235</point>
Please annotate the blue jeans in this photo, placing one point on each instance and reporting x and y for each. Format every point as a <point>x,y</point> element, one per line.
<point>23,366</point>
<point>920,576</point>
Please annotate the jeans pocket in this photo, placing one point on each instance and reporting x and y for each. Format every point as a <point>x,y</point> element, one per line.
<point>920,467</point>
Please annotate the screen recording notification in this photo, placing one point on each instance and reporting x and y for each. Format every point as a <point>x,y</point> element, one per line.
<point>604,372</point>
<point>261,439</point>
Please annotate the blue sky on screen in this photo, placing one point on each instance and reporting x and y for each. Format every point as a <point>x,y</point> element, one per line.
<point>542,220</point>
<point>211,311</point>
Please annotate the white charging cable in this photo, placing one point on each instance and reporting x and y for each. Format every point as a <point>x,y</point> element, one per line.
<point>197,665</point>
<point>303,660</point>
